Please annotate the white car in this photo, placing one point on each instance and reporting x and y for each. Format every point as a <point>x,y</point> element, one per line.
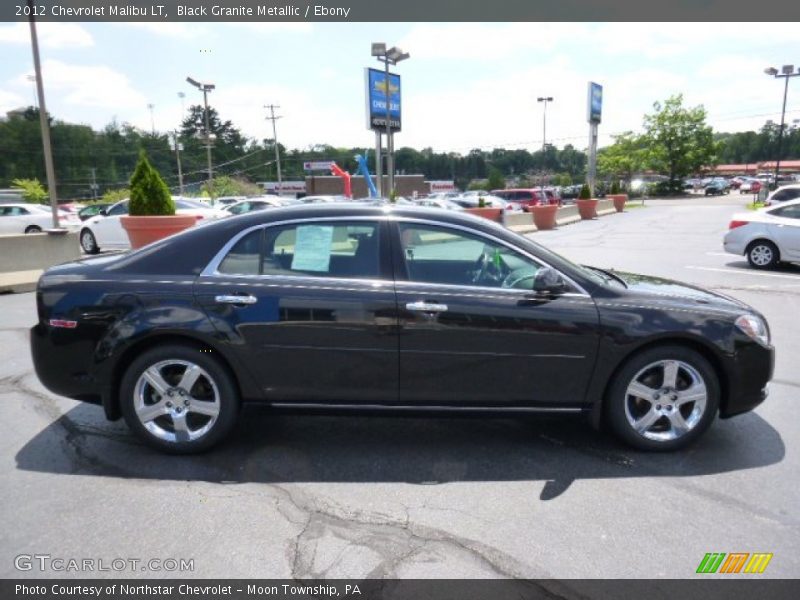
<point>251,204</point>
<point>783,194</point>
<point>32,218</point>
<point>105,231</point>
<point>766,236</point>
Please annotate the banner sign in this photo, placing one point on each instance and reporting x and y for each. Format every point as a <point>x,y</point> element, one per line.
<point>595,104</point>
<point>376,100</point>
<point>318,165</point>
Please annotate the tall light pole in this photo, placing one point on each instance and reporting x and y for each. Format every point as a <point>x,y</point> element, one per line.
<point>544,99</point>
<point>205,88</point>
<point>786,72</point>
<point>273,118</point>
<point>150,107</point>
<point>392,56</point>
<point>175,144</point>
<point>44,123</point>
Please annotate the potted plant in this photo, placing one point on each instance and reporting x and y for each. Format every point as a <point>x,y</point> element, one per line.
<point>617,197</point>
<point>151,209</point>
<point>487,212</point>
<point>544,215</point>
<point>587,206</point>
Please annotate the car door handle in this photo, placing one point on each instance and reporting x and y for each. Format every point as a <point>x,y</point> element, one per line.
<point>235,299</point>
<point>428,307</point>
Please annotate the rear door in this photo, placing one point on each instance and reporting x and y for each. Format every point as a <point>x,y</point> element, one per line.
<point>310,308</point>
<point>472,331</point>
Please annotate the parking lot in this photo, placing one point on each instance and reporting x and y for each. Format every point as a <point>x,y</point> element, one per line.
<point>342,496</point>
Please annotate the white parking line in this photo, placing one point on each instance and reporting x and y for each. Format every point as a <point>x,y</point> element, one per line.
<point>720,254</point>
<point>745,273</point>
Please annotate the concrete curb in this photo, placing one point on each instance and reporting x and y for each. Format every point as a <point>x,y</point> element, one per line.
<point>19,281</point>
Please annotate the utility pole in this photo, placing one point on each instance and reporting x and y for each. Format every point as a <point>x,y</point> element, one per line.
<point>45,124</point>
<point>94,183</point>
<point>177,146</point>
<point>544,99</point>
<point>273,118</point>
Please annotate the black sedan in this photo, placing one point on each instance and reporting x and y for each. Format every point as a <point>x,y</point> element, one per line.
<point>362,306</point>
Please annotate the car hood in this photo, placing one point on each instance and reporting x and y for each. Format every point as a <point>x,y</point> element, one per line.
<point>668,291</point>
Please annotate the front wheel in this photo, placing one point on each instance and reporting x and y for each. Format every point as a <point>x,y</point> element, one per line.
<point>179,399</point>
<point>663,399</point>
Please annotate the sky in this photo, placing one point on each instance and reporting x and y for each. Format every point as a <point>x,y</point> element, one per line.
<point>466,85</point>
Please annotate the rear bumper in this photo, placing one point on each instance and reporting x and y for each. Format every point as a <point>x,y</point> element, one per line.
<point>752,368</point>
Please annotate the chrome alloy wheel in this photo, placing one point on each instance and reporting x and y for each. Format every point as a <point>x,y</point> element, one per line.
<point>665,400</point>
<point>176,401</point>
<point>761,255</point>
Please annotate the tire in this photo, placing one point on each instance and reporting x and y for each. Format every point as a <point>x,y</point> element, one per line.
<point>33,229</point>
<point>176,418</point>
<point>89,242</point>
<point>648,412</point>
<point>762,254</point>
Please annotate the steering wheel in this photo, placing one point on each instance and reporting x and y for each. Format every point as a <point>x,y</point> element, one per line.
<point>488,272</point>
<point>521,278</point>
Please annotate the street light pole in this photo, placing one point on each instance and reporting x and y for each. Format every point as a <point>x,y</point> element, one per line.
<point>392,56</point>
<point>205,88</point>
<point>544,99</point>
<point>787,71</point>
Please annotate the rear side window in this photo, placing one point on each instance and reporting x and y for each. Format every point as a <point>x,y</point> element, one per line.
<point>323,249</point>
<point>245,256</point>
<point>789,212</point>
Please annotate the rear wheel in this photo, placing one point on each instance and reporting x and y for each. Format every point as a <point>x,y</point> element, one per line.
<point>88,242</point>
<point>663,399</point>
<point>763,254</point>
<point>178,399</point>
<point>33,229</point>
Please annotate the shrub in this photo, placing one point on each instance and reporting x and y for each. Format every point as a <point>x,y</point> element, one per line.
<point>615,187</point>
<point>481,202</point>
<point>112,196</point>
<point>149,194</point>
<point>32,190</point>
<point>585,193</point>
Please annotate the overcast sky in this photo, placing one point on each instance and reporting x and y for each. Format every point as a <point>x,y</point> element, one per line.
<point>466,85</point>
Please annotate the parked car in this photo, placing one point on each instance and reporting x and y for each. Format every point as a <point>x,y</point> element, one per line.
<point>783,194</point>
<point>717,186</point>
<point>251,204</point>
<point>766,236</point>
<point>323,199</point>
<point>443,203</point>
<point>749,185</point>
<point>105,232</point>
<point>526,197</point>
<point>224,201</point>
<point>380,307</point>
<point>489,201</point>
<point>93,210</point>
<point>31,218</point>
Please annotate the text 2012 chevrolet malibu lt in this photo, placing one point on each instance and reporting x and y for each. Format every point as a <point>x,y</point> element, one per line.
<point>367,306</point>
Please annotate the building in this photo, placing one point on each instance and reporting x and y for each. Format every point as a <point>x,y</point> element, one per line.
<point>787,166</point>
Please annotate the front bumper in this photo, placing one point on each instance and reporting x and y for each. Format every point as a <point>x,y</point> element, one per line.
<point>749,374</point>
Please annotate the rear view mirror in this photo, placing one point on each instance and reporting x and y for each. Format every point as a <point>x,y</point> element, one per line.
<point>549,281</point>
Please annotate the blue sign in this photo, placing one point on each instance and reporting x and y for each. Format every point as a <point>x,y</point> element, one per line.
<point>595,102</point>
<point>376,100</point>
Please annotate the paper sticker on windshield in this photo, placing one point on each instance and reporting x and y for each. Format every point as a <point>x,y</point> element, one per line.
<point>312,249</point>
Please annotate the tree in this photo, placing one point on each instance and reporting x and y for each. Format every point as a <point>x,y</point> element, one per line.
<point>677,140</point>
<point>149,194</point>
<point>625,157</point>
<point>496,181</point>
<point>32,190</point>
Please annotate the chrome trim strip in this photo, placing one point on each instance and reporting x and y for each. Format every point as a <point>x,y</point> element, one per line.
<point>424,407</point>
<point>211,270</point>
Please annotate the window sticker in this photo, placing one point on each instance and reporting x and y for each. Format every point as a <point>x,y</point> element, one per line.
<point>312,250</point>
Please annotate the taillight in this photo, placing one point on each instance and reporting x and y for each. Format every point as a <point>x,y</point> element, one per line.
<point>198,217</point>
<point>735,224</point>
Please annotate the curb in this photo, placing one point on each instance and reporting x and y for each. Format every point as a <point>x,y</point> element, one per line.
<point>19,281</point>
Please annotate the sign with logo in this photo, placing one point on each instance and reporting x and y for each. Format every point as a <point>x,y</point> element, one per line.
<point>318,165</point>
<point>441,186</point>
<point>735,562</point>
<point>377,97</point>
<point>595,104</point>
<point>287,187</point>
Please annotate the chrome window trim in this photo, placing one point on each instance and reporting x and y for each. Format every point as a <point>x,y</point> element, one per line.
<point>212,268</point>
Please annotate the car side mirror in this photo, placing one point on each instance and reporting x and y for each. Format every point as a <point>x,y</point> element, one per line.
<point>103,212</point>
<point>549,281</point>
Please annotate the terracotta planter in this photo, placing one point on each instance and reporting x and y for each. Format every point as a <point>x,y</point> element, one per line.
<point>146,230</point>
<point>619,201</point>
<point>587,209</point>
<point>544,215</point>
<point>493,214</point>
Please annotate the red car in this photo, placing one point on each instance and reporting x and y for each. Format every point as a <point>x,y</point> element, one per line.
<point>527,197</point>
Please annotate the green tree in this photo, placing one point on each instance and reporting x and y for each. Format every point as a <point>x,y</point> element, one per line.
<point>32,190</point>
<point>230,186</point>
<point>625,157</point>
<point>678,141</point>
<point>496,181</point>
<point>112,196</point>
<point>149,194</point>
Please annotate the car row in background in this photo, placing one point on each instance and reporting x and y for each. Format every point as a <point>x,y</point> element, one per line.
<point>767,236</point>
<point>717,186</point>
<point>33,218</point>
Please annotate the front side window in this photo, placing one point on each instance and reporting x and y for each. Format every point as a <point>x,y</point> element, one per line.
<point>118,209</point>
<point>452,257</point>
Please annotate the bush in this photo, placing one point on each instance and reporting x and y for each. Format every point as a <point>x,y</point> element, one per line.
<point>112,196</point>
<point>32,190</point>
<point>615,187</point>
<point>149,194</point>
<point>230,186</point>
<point>585,193</point>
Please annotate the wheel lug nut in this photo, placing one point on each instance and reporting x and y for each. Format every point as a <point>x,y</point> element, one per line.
<point>656,396</point>
<point>674,397</point>
<point>658,407</point>
<point>169,404</point>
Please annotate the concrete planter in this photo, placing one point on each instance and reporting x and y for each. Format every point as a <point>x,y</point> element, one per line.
<point>619,201</point>
<point>587,208</point>
<point>544,215</point>
<point>493,214</point>
<point>146,230</point>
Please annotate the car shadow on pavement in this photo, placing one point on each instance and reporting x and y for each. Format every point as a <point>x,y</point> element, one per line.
<point>784,268</point>
<point>283,448</point>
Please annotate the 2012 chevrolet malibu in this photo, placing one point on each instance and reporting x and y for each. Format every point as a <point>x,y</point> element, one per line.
<point>396,308</point>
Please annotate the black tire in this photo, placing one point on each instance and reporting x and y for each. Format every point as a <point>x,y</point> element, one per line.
<point>33,229</point>
<point>618,399</point>
<point>763,254</point>
<point>216,376</point>
<point>89,242</point>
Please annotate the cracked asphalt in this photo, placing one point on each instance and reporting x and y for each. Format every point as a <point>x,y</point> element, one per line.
<point>357,497</point>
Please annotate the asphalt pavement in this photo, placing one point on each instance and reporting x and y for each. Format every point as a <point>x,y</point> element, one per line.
<point>356,497</point>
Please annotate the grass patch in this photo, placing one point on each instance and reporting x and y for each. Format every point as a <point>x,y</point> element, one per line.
<point>755,205</point>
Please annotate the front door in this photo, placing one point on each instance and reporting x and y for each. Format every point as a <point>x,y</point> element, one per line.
<point>311,310</point>
<point>473,332</point>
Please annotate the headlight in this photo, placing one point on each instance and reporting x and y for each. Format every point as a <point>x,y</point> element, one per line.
<point>754,327</point>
